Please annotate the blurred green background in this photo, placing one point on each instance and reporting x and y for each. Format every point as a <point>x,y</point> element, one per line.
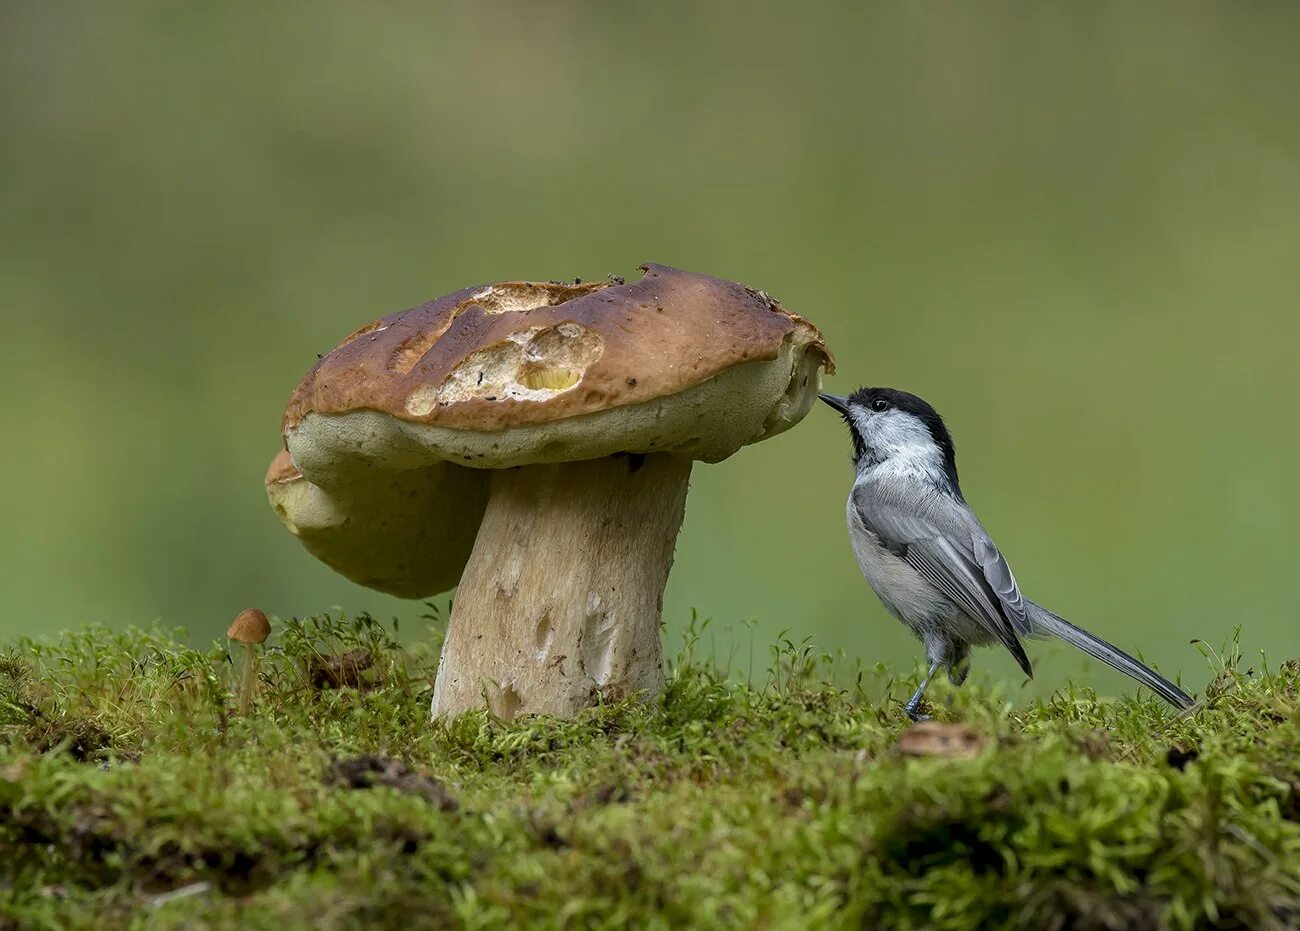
<point>1074,228</point>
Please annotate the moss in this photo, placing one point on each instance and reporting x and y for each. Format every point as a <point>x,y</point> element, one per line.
<point>131,795</point>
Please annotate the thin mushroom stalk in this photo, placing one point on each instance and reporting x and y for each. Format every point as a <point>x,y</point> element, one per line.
<point>248,682</point>
<point>561,600</point>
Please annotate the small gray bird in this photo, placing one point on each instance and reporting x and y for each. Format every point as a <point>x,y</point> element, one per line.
<point>930,562</point>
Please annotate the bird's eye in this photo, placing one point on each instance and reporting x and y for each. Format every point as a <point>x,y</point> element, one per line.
<point>879,404</point>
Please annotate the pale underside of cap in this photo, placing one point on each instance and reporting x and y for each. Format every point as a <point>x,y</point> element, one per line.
<point>407,533</point>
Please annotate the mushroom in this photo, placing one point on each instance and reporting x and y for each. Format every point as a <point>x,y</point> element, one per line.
<point>250,628</point>
<point>554,425</point>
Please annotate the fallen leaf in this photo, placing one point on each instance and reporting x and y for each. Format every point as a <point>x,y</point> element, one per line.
<point>341,671</point>
<point>367,772</point>
<point>934,738</point>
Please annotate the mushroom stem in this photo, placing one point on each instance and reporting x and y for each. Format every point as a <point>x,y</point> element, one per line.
<point>249,680</point>
<point>561,599</point>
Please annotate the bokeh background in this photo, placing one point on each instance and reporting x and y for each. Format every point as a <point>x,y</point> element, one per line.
<point>1074,227</point>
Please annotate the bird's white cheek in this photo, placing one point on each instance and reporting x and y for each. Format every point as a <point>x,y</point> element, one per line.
<point>862,421</point>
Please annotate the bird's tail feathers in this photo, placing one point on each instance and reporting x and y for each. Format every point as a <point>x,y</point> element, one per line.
<point>1046,622</point>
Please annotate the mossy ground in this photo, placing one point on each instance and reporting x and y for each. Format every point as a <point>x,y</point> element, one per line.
<point>131,795</point>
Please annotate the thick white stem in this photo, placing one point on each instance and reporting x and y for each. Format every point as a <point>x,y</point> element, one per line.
<point>561,599</point>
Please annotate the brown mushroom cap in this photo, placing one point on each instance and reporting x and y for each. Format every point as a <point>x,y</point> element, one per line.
<point>250,626</point>
<point>517,373</point>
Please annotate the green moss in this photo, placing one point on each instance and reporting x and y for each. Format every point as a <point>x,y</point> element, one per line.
<point>125,778</point>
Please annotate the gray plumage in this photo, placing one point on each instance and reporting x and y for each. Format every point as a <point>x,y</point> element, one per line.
<point>928,558</point>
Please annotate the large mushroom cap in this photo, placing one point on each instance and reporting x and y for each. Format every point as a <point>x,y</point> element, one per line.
<point>518,373</point>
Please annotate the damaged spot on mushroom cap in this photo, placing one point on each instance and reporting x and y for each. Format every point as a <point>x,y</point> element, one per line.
<point>411,350</point>
<point>501,298</point>
<point>512,297</point>
<point>285,518</point>
<point>422,400</point>
<point>530,365</point>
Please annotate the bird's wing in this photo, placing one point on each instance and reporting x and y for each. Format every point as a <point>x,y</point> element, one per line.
<point>941,539</point>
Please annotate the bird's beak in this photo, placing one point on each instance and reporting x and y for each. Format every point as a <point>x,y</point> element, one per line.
<point>834,400</point>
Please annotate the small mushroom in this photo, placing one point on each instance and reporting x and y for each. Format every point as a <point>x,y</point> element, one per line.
<point>250,628</point>
<point>536,440</point>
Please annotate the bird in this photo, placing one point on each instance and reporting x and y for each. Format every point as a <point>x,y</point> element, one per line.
<point>928,557</point>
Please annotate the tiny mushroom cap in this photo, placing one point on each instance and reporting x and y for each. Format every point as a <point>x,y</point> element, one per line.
<point>534,441</point>
<point>250,626</point>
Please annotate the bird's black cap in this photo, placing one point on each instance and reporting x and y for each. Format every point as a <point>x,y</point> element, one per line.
<point>908,403</point>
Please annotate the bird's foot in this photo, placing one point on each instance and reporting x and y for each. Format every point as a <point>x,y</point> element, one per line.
<point>915,713</point>
<point>914,704</point>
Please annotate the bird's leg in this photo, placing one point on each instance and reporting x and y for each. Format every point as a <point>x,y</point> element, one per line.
<point>915,701</point>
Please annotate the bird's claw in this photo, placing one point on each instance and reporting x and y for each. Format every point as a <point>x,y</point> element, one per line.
<point>915,714</point>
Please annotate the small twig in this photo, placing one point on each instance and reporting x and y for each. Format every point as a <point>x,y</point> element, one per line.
<point>1251,841</point>
<point>184,892</point>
